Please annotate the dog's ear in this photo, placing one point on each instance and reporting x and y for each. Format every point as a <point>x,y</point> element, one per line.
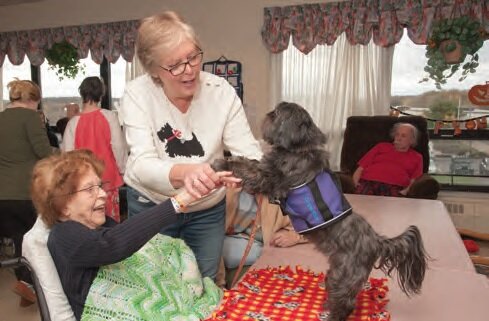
<point>290,126</point>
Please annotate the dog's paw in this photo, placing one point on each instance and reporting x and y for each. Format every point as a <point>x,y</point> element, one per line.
<point>220,164</point>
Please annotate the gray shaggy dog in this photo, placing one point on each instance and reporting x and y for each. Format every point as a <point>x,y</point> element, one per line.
<point>296,157</point>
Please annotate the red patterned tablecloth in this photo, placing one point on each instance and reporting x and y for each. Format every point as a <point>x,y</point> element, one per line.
<point>283,294</point>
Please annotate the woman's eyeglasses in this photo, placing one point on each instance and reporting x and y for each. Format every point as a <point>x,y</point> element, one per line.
<point>179,68</point>
<point>93,190</point>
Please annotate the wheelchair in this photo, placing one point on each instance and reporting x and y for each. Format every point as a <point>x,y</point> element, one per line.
<point>41,299</point>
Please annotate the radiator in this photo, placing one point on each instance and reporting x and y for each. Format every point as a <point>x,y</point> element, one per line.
<point>467,210</point>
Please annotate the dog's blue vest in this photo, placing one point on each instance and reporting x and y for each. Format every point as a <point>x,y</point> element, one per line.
<point>316,204</point>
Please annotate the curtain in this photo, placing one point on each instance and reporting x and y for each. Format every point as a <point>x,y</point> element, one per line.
<point>1,89</point>
<point>333,83</point>
<point>382,21</point>
<point>111,40</point>
<point>134,69</point>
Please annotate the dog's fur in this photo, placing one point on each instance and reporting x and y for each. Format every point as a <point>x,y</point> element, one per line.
<point>297,155</point>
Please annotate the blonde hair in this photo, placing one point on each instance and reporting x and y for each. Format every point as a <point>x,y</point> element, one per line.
<point>159,35</point>
<point>23,90</point>
<point>54,179</point>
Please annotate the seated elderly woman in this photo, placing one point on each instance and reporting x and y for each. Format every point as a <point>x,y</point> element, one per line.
<point>109,269</point>
<point>389,169</point>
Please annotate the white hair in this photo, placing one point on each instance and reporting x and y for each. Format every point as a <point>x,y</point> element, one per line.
<point>414,131</point>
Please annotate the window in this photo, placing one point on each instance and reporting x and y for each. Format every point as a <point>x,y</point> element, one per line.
<point>457,161</point>
<point>117,80</point>
<point>57,93</point>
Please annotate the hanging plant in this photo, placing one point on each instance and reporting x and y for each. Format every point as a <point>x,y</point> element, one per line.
<point>451,42</point>
<point>63,58</point>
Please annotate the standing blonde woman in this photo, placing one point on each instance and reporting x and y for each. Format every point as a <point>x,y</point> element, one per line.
<point>99,130</point>
<point>177,120</point>
<point>23,141</point>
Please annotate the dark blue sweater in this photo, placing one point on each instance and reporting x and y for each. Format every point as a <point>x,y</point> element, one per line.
<point>78,251</point>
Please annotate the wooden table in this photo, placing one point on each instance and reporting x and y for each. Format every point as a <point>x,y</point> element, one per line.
<point>452,290</point>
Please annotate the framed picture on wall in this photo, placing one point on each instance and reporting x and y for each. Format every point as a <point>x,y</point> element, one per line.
<point>233,80</point>
<point>233,69</point>
<point>208,68</point>
<point>227,69</point>
<point>221,69</point>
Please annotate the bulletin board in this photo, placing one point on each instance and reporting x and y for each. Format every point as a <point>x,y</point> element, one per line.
<point>228,69</point>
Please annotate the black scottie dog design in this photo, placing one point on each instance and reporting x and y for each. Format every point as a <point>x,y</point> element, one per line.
<point>179,147</point>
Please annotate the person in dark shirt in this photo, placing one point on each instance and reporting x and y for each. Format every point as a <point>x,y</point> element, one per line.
<point>69,196</point>
<point>53,139</point>
<point>72,110</point>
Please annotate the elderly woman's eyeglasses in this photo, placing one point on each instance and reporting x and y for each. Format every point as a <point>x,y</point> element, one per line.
<point>179,68</point>
<point>93,190</point>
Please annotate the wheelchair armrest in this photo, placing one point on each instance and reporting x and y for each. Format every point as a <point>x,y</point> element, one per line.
<point>424,187</point>
<point>12,263</point>
<point>346,182</point>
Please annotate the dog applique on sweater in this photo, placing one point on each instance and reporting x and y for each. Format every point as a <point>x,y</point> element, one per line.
<point>175,146</point>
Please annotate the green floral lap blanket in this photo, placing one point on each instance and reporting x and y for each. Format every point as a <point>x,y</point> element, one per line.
<point>161,281</point>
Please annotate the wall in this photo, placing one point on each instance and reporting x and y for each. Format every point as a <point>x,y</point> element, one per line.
<point>225,27</point>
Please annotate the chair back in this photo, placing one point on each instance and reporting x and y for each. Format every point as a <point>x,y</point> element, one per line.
<point>364,132</point>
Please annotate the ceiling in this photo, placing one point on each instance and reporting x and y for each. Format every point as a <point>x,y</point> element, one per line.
<point>16,2</point>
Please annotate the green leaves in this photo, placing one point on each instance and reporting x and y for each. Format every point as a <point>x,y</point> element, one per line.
<point>63,58</point>
<point>467,33</point>
<point>452,45</point>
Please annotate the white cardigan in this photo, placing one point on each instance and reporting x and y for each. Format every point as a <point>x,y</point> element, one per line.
<point>215,118</point>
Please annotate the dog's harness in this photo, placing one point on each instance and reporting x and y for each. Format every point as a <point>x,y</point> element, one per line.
<point>316,204</point>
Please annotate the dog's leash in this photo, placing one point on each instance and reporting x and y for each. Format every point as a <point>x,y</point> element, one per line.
<point>250,242</point>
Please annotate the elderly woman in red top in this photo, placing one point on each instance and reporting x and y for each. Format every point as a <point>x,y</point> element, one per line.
<point>389,169</point>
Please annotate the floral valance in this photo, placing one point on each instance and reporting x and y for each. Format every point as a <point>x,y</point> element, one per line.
<point>105,39</point>
<point>361,20</point>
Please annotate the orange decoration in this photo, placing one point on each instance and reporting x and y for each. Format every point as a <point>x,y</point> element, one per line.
<point>438,125</point>
<point>456,126</point>
<point>470,124</point>
<point>479,95</point>
<point>482,123</point>
<point>394,112</point>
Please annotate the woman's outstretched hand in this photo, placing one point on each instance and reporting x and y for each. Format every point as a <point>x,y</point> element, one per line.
<point>201,179</point>
<point>185,197</point>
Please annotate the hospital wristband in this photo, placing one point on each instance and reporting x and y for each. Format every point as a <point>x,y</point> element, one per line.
<point>177,204</point>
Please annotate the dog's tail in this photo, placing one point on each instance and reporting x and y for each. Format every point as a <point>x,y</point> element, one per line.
<point>406,254</point>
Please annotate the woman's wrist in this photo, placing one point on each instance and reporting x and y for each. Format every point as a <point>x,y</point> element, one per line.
<point>181,201</point>
<point>177,204</point>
